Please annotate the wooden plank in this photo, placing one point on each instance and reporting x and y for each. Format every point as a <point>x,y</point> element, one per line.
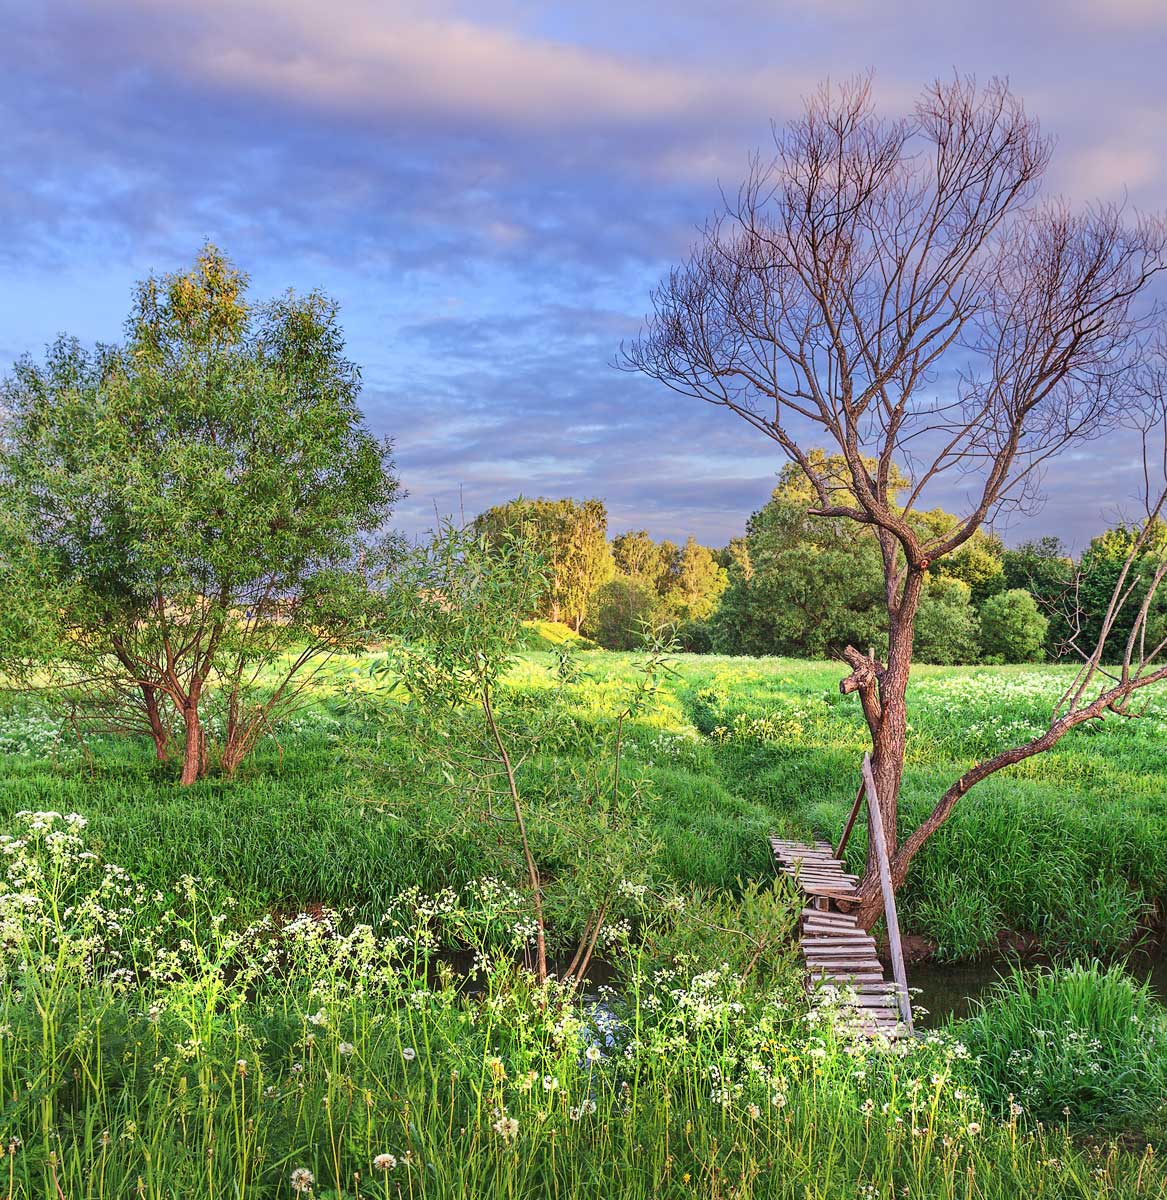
<point>850,823</point>
<point>891,919</point>
<point>845,967</point>
<point>825,914</point>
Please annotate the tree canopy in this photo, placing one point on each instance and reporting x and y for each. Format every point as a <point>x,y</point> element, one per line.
<point>195,502</point>
<point>572,537</point>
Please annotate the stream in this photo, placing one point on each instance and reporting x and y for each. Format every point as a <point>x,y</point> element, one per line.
<point>949,989</point>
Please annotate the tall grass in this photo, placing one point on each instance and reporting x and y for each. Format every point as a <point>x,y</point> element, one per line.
<point>1084,1045</point>
<point>171,1049</point>
<point>1070,847</point>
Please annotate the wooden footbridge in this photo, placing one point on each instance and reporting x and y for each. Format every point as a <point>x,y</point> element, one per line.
<point>837,952</point>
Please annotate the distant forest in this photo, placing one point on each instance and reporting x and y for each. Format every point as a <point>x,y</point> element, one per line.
<point>804,585</point>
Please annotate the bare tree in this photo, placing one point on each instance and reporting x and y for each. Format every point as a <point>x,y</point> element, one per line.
<point>896,288</point>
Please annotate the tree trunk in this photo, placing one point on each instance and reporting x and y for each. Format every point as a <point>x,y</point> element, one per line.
<point>158,730</point>
<point>194,744</point>
<point>883,692</point>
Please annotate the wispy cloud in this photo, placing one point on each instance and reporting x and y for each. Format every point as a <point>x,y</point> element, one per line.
<point>491,189</point>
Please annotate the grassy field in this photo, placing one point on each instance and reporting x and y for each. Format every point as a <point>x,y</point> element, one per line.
<point>1071,847</point>
<point>245,989</point>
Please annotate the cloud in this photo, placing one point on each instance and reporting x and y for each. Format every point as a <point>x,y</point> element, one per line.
<point>491,190</point>
<point>368,59</point>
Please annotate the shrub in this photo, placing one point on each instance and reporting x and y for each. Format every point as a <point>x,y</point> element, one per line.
<point>946,630</point>
<point>1083,1044</point>
<point>1012,629</point>
<point>620,612</point>
<point>695,637</point>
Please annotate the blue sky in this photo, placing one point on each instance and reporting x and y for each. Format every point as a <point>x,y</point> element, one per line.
<point>491,190</point>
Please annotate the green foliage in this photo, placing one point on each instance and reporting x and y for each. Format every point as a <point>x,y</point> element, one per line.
<point>1012,628</point>
<point>621,610</point>
<point>192,1051</point>
<point>348,807</point>
<point>456,609</point>
<point>636,555</point>
<point>572,538</point>
<point>1045,570</point>
<point>1100,569</point>
<point>550,635</point>
<point>695,582</point>
<point>802,585</point>
<point>946,628</point>
<point>657,584</point>
<point>196,503</point>
<point>1083,1045</point>
<point>977,563</point>
<point>752,930</point>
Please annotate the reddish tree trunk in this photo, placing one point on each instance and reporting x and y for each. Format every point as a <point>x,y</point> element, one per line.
<point>158,730</point>
<point>194,744</point>
<point>883,693</point>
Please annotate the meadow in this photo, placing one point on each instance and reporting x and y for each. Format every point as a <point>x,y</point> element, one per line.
<point>1070,848</point>
<point>306,979</point>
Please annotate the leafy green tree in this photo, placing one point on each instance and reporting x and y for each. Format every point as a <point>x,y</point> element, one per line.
<point>1043,567</point>
<point>946,625</point>
<point>456,618</point>
<point>1012,628</point>
<point>636,555</point>
<point>696,582</point>
<point>196,505</point>
<point>800,584</point>
<point>1099,570</point>
<point>688,579</point>
<point>621,610</point>
<point>571,535</point>
<point>976,562</point>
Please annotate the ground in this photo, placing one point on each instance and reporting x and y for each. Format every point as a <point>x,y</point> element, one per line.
<point>1069,849</point>
<point>246,988</point>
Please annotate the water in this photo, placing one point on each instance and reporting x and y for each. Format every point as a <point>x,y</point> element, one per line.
<point>949,989</point>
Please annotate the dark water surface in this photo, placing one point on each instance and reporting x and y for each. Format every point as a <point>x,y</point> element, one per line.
<point>948,989</point>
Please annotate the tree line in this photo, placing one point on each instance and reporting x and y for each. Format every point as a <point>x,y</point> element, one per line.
<point>804,585</point>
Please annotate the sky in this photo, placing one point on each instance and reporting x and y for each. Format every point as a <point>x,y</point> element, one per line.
<point>491,190</point>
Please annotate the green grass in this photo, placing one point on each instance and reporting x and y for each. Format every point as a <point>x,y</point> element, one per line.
<point>1070,847</point>
<point>1084,1046</point>
<point>166,1049</point>
<point>130,1002</point>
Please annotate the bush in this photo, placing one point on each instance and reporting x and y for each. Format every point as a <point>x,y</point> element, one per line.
<point>1083,1044</point>
<point>620,611</point>
<point>695,637</point>
<point>1012,629</point>
<point>551,635</point>
<point>946,630</point>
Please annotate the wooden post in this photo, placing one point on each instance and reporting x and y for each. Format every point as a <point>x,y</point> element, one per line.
<point>850,821</point>
<point>875,824</point>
